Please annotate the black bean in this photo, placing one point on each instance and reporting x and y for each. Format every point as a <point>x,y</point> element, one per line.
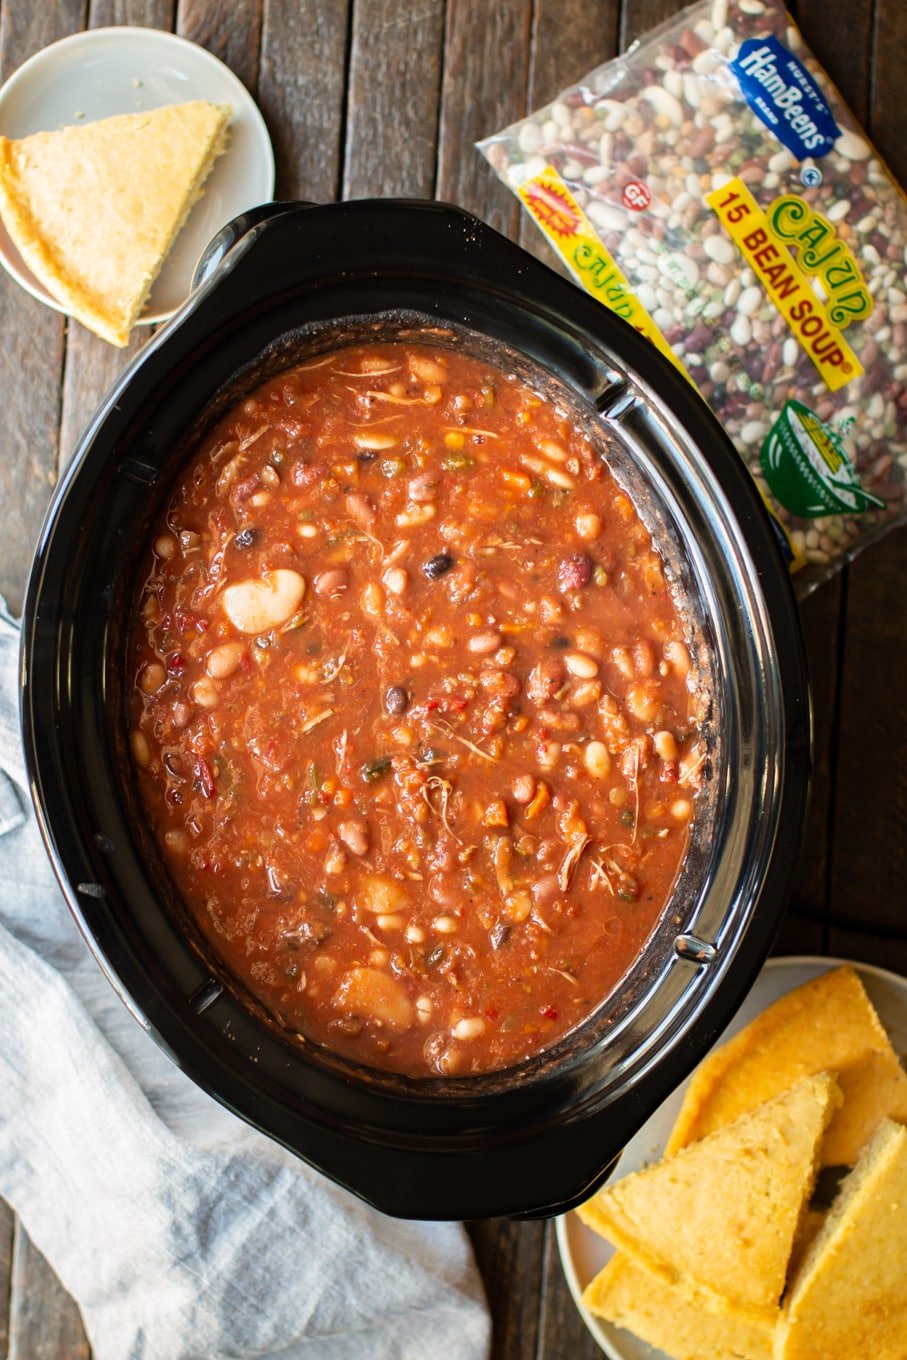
<point>500,935</point>
<point>560,641</point>
<point>396,700</point>
<point>373,770</point>
<point>245,538</point>
<point>436,566</point>
<point>436,956</point>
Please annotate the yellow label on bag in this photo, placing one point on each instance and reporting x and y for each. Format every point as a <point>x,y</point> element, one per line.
<point>786,284</point>
<point>573,236</point>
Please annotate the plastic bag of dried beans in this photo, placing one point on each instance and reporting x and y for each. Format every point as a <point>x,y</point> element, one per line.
<point>711,187</point>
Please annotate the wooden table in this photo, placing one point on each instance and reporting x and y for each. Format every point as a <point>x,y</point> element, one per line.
<point>368,97</point>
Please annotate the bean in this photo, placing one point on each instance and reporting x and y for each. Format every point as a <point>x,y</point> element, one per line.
<point>331,583</point>
<point>436,566</point>
<point>423,488</point>
<point>224,660</point>
<point>360,509</point>
<point>597,759</point>
<point>141,751</point>
<point>374,440</point>
<point>205,693</point>
<point>426,369</point>
<point>445,925</point>
<point>152,677</point>
<point>396,700</point>
<point>354,836</point>
<point>472,1027</point>
<point>518,905</point>
<point>574,572</point>
<point>481,644</point>
<point>643,701</point>
<point>588,525</point>
<point>165,547</point>
<point>393,922</point>
<point>665,744</point>
<point>580,665</point>
<point>374,992</point>
<point>246,538</point>
<point>396,579</point>
<point>677,656</point>
<point>258,604</point>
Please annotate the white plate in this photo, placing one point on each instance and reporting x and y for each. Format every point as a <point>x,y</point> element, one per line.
<point>584,1253</point>
<point>125,70</point>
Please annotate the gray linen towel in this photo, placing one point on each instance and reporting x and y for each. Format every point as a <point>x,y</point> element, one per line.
<point>182,1233</point>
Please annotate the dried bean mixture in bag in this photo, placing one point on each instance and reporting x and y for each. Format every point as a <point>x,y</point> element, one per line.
<point>712,188</point>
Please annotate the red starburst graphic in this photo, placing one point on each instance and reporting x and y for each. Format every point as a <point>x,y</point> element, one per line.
<point>636,196</point>
<point>553,209</point>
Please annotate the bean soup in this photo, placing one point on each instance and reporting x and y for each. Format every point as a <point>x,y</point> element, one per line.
<point>412,714</point>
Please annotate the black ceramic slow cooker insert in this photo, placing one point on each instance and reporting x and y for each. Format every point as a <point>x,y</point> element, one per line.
<point>276,286</point>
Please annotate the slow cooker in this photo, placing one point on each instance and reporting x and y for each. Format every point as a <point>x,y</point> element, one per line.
<point>276,285</point>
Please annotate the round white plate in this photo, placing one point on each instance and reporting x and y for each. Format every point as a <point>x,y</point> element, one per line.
<point>125,70</point>
<point>584,1253</point>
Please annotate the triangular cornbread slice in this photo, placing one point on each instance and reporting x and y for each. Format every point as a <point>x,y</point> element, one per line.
<point>677,1321</point>
<point>827,1025</point>
<point>849,1300</point>
<point>93,210</point>
<point>723,1213</point>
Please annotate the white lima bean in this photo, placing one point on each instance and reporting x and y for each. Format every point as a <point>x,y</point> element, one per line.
<point>672,117</point>
<point>258,604</point>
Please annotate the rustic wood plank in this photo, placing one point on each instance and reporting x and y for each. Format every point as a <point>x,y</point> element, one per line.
<point>92,365</point>
<point>135,13</point>
<point>868,947</point>
<point>887,71</point>
<point>7,1227</point>
<point>392,123</point>
<point>869,842</point>
<point>562,1333</point>
<point>232,32</point>
<point>301,93</point>
<point>91,368</point>
<point>569,38</point>
<point>486,74</point>
<point>509,1257</point>
<point>800,934</point>
<point>639,16</point>
<point>32,352</point>
<point>45,1323</point>
<point>869,846</point>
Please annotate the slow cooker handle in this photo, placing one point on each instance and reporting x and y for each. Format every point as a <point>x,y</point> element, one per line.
<point>227,237</point>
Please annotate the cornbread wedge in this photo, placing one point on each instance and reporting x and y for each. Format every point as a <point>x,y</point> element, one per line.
<point>829,1024</point>
<point>849,1300</point>
<point>677,1321</point>
<point>723,1213</point>
<point>94,210</point>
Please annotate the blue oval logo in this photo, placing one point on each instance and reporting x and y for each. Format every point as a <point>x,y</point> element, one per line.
<point>781,92</point>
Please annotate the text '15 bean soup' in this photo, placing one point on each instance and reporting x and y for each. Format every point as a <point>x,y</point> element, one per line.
<point>412,713</point>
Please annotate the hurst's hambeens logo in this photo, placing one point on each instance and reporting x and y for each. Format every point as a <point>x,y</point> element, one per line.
<point>783,94</point>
